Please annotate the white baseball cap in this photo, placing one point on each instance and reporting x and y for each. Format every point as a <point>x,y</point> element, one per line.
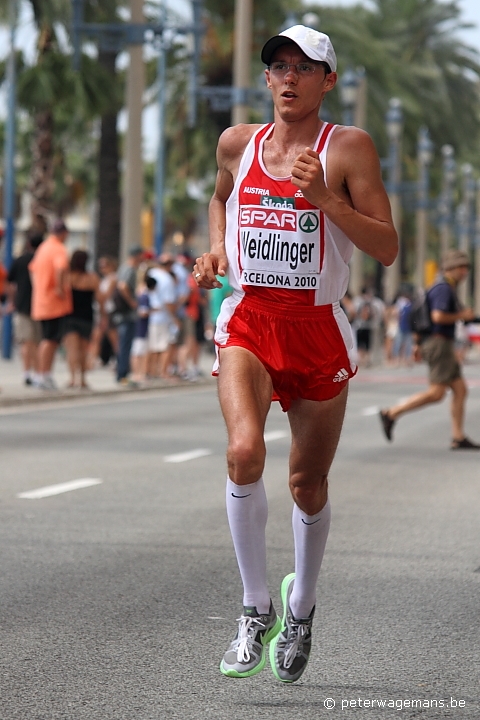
<point>316,45</point>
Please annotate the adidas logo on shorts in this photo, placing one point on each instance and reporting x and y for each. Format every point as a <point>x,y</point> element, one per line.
<point>341,376</point>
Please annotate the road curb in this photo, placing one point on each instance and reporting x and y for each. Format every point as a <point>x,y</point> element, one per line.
<point>47,396</point>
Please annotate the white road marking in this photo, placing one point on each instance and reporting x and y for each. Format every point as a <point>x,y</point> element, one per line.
<point>274,435</point>
<point>373,410</point>
<point>186,456</point>
<point>214,617</point>
<point>58,489</point>
<point>203,452</point>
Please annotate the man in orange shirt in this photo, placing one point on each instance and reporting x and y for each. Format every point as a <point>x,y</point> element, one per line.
<point>51,298</point>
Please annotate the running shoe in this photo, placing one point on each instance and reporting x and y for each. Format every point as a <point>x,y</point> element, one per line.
<point>290,650</point>
<point>246,655</point>
<point>387,424</point>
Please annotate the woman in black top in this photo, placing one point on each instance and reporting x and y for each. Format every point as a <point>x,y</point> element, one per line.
<point>79,324</point>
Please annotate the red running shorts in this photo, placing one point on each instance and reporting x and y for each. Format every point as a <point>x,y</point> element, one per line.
<point>306,350</point>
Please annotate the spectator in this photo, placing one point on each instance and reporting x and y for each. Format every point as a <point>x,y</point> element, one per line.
<point>363,325</point>
<point>162,319</point>
<point>79,324</point>
<point>124,315</point>
<point>403,343</point>
<point>188,354</point>
<point>139,354</point>
<point>27,332</point>
<point>104,337</point>
<point>180,269</point>
<point>216,298</point>
<point>391,330</point>
<point>51,298</point>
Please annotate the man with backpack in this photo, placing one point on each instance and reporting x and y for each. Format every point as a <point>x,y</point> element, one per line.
<point>437,349</point>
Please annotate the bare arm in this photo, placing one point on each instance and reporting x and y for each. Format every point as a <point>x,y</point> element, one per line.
<point>230,148</point>
<point>360,205</point>
<point>124,291</point>
<point>61,282</point>
<point>445,318</point>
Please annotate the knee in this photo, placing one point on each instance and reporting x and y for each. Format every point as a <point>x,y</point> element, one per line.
<point>309,493</point>
<point>437,393</point>
<point>246,460</point>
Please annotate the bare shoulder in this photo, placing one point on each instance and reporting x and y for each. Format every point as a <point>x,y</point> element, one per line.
<point>232,144</point>
<point>84,281</point>
<point>352,143</point>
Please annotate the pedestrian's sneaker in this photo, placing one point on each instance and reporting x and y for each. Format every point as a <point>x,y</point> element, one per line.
<point>48,383</point>
<point>246,655</point>
<point>387,424</point>
<point>290,650</point>
<point>465,444</point>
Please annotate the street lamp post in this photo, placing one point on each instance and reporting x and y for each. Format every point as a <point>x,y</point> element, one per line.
<point>424,158</point>
<point>132,200</point>
<point>449,167</point>
<point>465,214</point>
<point>159,223</point>
<point>9,176</point>
<point>476,281</point>
<point>241,61</point>
<point>349,92</point>
<point>394,125</point>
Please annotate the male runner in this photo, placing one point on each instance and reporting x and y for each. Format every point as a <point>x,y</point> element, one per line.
<point>284,226</point>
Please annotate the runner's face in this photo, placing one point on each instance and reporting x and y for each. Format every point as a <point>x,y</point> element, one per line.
<point>293,94</point>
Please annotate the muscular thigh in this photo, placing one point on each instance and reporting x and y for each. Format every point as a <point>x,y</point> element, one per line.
<point>316,428</point>
<point>245,392</point>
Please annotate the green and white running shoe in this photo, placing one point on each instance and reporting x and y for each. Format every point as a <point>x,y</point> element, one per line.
<point>290,650</point>
<point>246,655</point>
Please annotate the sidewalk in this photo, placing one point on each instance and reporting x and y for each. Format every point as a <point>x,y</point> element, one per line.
<point>101,381</point>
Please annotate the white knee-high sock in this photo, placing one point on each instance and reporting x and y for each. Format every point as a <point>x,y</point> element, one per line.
<point>247,512</point>
<point>310,534</point>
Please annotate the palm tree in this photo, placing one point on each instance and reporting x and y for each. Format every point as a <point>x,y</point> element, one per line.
<point>411,49</point>
<point>109,198</point>
<point>60,105</point>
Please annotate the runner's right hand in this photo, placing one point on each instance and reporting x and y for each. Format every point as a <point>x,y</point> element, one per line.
<point>207,267</point>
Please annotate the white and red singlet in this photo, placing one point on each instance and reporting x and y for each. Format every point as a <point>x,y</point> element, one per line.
<point>288,266</point>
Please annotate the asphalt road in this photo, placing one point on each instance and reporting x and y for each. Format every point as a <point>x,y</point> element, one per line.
<point>118,599</point>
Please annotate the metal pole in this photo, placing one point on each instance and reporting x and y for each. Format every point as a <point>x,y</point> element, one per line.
<point>360,121</point>
<point>133,163</point>
<point>160,164</point>
<point>195,64</point>
<point>392,274</point>
<point>360,112</point>
<point>423,158</point>
<point>242,52</point>
<point>476,281</point>
<point>465,217</point>
<point>9,180</point>
<point>446,202</point>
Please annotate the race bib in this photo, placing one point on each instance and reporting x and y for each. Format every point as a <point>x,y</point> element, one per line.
<point>279,246</point>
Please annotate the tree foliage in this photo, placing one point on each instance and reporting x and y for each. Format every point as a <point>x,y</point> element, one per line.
<point>410,49</point>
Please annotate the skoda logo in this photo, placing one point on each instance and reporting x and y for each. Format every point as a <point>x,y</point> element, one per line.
<point>308,222</point>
